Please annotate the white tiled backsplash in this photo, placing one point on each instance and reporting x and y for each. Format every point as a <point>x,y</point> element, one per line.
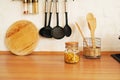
<point>107,13</point>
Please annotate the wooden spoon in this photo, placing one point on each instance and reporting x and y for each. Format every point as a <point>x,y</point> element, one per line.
<point>92,26</point>
<point>82,34</point>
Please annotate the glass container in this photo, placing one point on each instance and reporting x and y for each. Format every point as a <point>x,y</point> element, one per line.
<point>71,54</point>
<point>35,7</point>
<point>25,6</point>
<point>92,52</point>
<point>30,11</point>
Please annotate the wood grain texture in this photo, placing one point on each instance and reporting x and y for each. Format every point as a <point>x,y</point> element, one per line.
<point>51,66</point>
<point>21,37</point>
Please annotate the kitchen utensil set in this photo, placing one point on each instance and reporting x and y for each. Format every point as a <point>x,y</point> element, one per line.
<point>56,32</point>
<point>91,20</point>
<point>92,45</point>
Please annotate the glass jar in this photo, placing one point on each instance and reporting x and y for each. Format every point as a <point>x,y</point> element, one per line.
<point>90,51</point>
<point>25,6</point>
<point>35,6</point>
<point>71,54</point>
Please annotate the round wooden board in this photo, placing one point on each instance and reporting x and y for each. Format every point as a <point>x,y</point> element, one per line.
<point>22,37</point>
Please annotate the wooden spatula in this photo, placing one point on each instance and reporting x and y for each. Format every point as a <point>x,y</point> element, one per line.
<point>92,26</point>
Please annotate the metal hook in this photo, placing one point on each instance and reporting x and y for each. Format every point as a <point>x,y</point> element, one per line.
<point>17,0</point>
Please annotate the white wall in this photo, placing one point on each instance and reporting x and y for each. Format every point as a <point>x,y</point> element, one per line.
<point>107,13</point>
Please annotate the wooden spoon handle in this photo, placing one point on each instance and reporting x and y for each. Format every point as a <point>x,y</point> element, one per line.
<point>93,40</point>
<point>81,34</point>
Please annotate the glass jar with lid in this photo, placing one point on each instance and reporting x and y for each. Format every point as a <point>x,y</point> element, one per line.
<point>72,53</point>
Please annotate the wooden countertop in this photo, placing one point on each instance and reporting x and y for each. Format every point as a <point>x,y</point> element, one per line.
<point>51,66</point>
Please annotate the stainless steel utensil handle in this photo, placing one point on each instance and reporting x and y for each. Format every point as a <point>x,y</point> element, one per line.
<point>57,6</point>
<point>65,5</point>
<point>51,5</point>
<point>46,6</point>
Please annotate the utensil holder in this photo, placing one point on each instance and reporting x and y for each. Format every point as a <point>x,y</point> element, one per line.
<point>90,52</point>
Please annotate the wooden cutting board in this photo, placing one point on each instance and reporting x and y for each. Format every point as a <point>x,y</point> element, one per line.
<point>22,37</point>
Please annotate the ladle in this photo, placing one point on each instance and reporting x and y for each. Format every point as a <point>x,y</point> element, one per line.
<point>48,29</point>
<point>57,32</point>
<point>42,30</point>
<point>67,28</point>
